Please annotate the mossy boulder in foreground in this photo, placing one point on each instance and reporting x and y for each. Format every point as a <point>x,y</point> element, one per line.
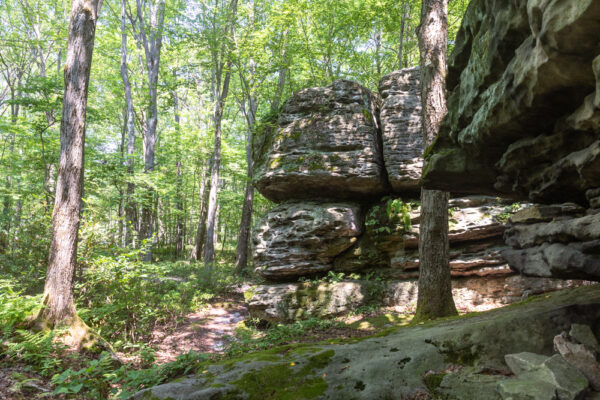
<point>399,363</point>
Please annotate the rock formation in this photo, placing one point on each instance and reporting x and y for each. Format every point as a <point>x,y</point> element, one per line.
<point>302,238</point>
<point>400,118</point>
<point>460,359</point>
<point>328,160</point>
<point>524,103</point>
<point>524,121</point>
<point>325,144</point>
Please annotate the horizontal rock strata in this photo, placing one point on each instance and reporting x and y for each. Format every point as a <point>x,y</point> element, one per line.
<point>302,238</point>
<point>524,103</point>
<point>400,118</point>
<point>566,247</point>
<point>289,302</point>
<point>325,144</point>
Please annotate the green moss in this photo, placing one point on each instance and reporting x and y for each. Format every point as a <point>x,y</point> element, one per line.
<point>248,294</point>
<point>321,360</point>
<point>433,381</point>
<point>286,381</point>
<point>368,116</point>
<point>275,163</point>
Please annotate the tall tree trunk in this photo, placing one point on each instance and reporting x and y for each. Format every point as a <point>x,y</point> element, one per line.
<point>403,19</point>
<point>209,246</point>
<point>179,200</point>
<point>130,210</point>
<point>58,290</point>
<point>223,90</point>
<point>435,290</point>
<point>199,239</point>
<point>249,107</point>
<point>152,44</point>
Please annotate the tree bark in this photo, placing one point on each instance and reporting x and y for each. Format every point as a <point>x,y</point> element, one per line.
<point>179,200</point>
<point>402,29</point>
<point>58,290</point>
<point>200,236</point>
<point>223,90</point>
<point>130,210</point>
<point>435,291</point>
<point>152,44</point>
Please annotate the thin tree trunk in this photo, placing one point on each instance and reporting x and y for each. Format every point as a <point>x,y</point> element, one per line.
<point>199,239</point>
<point>179,200</point>
<point>249,108</point>
<point>435,290</point>
<point>58,290</point>
<point>402,28</point>
<point>130,211</point>
<point>152,47</point>
<point>209,247</point>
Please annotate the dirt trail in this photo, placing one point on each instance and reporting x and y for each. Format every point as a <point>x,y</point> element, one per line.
<point>207,331</point>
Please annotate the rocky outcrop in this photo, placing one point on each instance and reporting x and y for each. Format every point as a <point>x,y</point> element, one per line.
<point>390,241</point>
<point>568,246</point>
<point>302,238</point>
<point>290,302</point>
<point>400,118</point>
<point>403,362</point>
<point>524,103</point>
<point>325,144</point>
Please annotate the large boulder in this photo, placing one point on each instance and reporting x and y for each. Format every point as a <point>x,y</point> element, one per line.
<point>523,106</point>
<point>400,118</point>
<point>325,144</point>
<point>399,363</point>
<point>302,238</point>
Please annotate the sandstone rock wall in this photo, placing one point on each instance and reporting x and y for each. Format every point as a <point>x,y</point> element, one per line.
<point>325,144</point>
<point>400,118</point>
<point>361,147</point>
<point>335,151</point>
<point>524,103</point>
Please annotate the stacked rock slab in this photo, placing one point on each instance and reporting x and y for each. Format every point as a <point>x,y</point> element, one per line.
<point>401,129</point>
<point>555,241</point>
<point>524,103</point>
<point>327,160</point>
<point>524,121</point>
<point>325,144</point>
<point>324,150</point>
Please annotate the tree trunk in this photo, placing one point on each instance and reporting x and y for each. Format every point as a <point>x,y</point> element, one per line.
<point>152,46</point>
<point>222,92</point>
<point>179,200</point>
<point>58,290</point>
<point>435,291</point>
<point>209,246</point>
<point>402,28</point>
<point>130,210</point>
<point>198,248</point>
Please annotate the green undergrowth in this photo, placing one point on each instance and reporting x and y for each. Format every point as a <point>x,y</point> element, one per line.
<point>123,300</point>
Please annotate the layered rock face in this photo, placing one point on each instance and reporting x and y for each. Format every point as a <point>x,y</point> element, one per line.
<point>524,121</point>
<point>524,103</point>
<point>325,144</point>
<point>359,149</point>
<point>555,241</point>
<point>401,129</point>
<point>328,159</point>
<point>303,238</point>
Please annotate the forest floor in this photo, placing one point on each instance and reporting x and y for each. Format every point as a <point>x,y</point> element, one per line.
<point>209,330</point>
<point>220,328</point>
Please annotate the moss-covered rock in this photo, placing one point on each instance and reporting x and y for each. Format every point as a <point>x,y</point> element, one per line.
<point>324,144</point>
<point>395,364</point>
